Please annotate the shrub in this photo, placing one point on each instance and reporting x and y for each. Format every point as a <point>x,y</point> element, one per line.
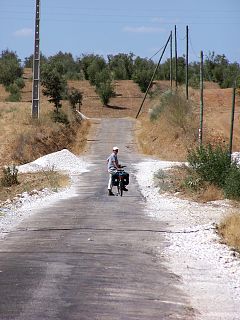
<point>14,97</point>
<point>193,182</point>
<point>211,163</point>
<point>15,94</point>
<point>75,97</point>
<point>60,117</point>
<point>20,83</point>
<point>232,183</point>
<point>9,176</point>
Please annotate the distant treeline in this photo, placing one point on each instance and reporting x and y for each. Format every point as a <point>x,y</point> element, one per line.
<point>122,66</point>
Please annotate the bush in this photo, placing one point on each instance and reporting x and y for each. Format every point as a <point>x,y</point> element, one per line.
<point>212,164</point>
<point>9,176</point>
<point>15,94</point>
<point>75,97</point>
<point>193,181</point>
<point>232,183</point>
<point>14,97</point>
<point>20,83</point>
<point>59,117</point>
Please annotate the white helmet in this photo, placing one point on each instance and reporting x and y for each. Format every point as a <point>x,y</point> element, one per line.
<point>115,148</point>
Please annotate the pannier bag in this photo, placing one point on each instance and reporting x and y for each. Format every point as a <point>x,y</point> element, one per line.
<point>115,178</point>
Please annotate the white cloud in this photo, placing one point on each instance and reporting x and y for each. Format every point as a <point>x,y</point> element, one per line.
<point>25,32</point>
<point>143,29</point>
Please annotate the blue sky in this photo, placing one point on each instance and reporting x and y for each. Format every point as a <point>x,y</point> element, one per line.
<point>109,27</point>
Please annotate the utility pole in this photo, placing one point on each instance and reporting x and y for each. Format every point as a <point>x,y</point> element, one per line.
<point>171,73</point>
<point>201,99</point>
<point>176,64</point>
<point>187,62</point>
<point>36,65</point>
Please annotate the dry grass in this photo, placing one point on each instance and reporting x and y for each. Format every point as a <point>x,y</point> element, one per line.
<point>229,230</point>
<point>172,128</point>
<point>34,181</point>
<point>161,139</point>
<point>154,138</point>
<point>23,140</point>
<point>211,193</point>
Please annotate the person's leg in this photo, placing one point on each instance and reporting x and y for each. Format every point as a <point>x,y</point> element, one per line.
<point>110,182</point>
<point>110,193</point>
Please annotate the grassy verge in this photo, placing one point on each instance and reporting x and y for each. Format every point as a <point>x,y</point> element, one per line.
<point>34,181</point>
<point>176,181</point>
<point>229,230</point>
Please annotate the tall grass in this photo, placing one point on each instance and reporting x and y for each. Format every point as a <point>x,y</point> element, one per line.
<point>173,106</point>
<point>229,230</point>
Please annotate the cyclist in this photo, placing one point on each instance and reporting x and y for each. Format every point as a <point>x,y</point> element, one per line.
<point>113,166</point>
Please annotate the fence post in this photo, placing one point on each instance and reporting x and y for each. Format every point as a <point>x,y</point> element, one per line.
<point>232,117</point>
<point>176,57</point>
<point>171,71</point>
<point>201,99</point>
<point>187,62</point>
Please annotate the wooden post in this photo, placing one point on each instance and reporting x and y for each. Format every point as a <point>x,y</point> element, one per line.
<point>171,71</point>
<point>232,117</point>
<point>187,62</point>
<point>201,99</point>
<point>176,58</point>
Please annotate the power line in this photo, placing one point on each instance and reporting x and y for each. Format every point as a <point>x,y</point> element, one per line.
<point>194,52</point>
<point>156,53</point>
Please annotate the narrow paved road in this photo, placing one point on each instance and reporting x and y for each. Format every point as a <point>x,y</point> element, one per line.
<point>91,256</point>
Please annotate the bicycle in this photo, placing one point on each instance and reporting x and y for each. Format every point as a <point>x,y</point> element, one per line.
<point>120,179</point>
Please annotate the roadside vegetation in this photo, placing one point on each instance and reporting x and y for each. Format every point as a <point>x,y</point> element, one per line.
<point>229,230</point>
<point>30,183</point>
<point>24,140</point>
<point>171,121</point>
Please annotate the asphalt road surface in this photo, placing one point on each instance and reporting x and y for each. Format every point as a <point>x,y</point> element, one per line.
<point>91,256</point>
